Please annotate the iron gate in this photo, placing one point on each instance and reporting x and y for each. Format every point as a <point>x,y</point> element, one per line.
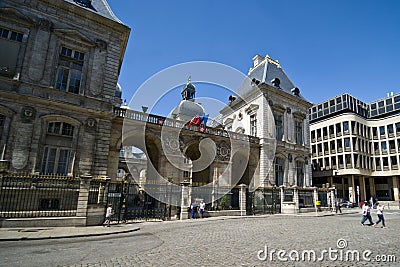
<point>131,203</point>
<point>265,200</point>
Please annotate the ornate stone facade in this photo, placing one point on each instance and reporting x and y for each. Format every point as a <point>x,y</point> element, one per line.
<point>59,68</point>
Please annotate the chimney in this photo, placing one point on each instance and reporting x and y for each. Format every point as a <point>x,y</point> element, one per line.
<point>257,60</point>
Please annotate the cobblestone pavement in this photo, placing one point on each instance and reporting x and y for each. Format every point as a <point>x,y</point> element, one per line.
<point>238,242</point>
<point>230,242</point>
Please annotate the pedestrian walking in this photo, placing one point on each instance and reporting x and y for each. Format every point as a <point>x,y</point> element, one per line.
<point>337,205</point>
<point>379,212</point>
<point>202,207</point>
<point>109,212</point>
<point>366,214</point>
<point>193,208</point>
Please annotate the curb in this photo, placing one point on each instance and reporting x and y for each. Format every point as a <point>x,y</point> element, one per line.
<point>24,238</point>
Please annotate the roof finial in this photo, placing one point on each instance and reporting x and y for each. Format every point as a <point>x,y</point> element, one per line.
<point>189,78</point>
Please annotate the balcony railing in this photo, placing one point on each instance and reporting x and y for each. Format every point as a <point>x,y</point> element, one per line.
<point>163,121</point>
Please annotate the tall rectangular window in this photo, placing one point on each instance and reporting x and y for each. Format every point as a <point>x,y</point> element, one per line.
<point>10,42</point>
<point>299,132</point>
<point>279,171</point>
<point>57,148</point>
<point>253,125</point>
<point>69,71</point>
<point>279,127</point>
<point>55,160</point>
<point>300,173</point>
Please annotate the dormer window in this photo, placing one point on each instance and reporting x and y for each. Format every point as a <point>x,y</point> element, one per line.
<point>85,3</point>
<point>276,82</point>
<point>69,72</point>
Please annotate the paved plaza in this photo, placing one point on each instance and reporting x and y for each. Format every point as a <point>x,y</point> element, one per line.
<point>288,241</point>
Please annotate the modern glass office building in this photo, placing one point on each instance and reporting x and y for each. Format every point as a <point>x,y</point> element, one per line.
<point>355,147</point>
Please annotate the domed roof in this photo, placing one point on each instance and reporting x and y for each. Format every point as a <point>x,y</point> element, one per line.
<point>186,110</point>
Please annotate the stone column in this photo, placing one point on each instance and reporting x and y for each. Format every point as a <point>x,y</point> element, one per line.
<point>242,199</point>
<point>332,198</point>
<point>395,187</point>
<point>363,192</point>
<point>83,196</point>
<point>184,200</point>
<point>354,190</point>
<point>296,199</point>
<point>315,198</point>
<point>282,195</point>
<point>372,187</point>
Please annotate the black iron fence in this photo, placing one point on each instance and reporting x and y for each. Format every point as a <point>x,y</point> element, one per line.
<point>23,196</point>
<point>306,198</point>
<point>265,200</point>
<point>132,203</point>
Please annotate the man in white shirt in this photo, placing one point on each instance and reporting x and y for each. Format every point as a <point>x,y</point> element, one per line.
<point>379,212</point>
<point>366,212</point>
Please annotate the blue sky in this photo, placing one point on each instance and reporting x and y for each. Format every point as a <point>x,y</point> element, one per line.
<point>326,47</point>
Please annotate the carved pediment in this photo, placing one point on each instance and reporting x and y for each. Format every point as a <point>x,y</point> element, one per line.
<point>252,108</point>
<point>228,121</point>
<point>299,115</point>
<point>74,35</point>
<point>278,108</point>
<point>16,16</point>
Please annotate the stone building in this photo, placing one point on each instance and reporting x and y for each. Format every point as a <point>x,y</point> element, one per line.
<point>59,65</point>
<point>273,109</point>
<point>356,147</point>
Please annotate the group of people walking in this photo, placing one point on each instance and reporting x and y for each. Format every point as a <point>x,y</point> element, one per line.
<point>197,207</point>
<point>366,214</point>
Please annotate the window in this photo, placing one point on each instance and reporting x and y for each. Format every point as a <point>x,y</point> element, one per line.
<point>69,72</point>
<point>374,132</point>
<point>345,126</point>
<point>60,128</point>
<point>253,125</point>
<point>299,132</point>
<point>378,164</point>
<point>10,42</point>
<point>382,130</point>
<point>300,173</point>
<point>55,160</point>
<point>383,147</point>
<point>392,145</point>
<point>393,160</point>
<point>279,127</point>
<point>398,127</point>
<point>347,143</point>
<point>57,148</point>
<point>338,129</point>
<point>390,129</point>
<point>279,171</point>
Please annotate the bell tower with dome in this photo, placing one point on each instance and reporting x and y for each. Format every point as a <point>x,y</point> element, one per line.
<point>187,108</point>
<point>189,91</point>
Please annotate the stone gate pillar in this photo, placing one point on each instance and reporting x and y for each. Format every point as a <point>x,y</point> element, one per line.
<point>83,196</point>
<point>184,200</point>
<point>315,198</point>
<point>242,199</point>
<point>296,199</point>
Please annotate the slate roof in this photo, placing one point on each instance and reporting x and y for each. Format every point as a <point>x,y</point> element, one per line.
<point>100,7</point>
<point>269,69</point>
